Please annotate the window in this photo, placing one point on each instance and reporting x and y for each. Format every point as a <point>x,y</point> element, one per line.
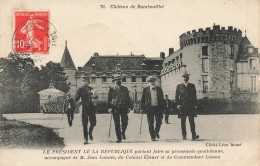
<point>205,65</point>
<point>253,83</point>
<point>205,50</point>
<point>181,56</point>
<point>133,79</point>
<point>250,50</point>
<point>124,79</point>
<point>232,50</point>
<point>205,87</point>
<point>198,40</point>
<point>252,64</point>
<point>205,83</point>
<point>93,80</point>
<point>156,67</point>
<point>143,78</point>
<point>104,79</point>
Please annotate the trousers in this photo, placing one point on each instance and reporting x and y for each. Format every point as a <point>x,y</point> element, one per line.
<point>154,113</point>
<point>70,118</point>
<point>120,129</point>
<point>88,115</point>
<point>192,126</point>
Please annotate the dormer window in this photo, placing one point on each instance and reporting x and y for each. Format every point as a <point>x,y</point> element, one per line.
<point>93,67</point>
<point>118,66</point>
<point>143,66</point>
<point>177,58</point>
<point>156,67</point>
<point>181,56</point>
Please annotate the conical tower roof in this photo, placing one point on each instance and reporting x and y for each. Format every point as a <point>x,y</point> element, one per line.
<point>66,61</point>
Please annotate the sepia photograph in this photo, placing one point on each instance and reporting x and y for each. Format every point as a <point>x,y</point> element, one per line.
<point>123,82</point>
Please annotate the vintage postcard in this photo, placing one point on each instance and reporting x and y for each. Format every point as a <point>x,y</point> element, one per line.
<point>123,82</point>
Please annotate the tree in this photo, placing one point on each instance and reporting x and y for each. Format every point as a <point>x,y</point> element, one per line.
<point>55,73</point>
<point>15,96</point>
<point>20,80</point>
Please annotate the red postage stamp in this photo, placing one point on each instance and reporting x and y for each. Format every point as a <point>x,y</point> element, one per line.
<point>31,32</point>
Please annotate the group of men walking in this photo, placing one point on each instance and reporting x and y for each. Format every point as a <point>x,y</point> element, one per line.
<point>152,103</point>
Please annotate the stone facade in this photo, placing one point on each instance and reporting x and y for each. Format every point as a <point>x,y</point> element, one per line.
<point>223,64</point>
<point>219,60</point>
<point>134,70</point>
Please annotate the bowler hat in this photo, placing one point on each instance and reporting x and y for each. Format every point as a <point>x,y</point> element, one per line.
<point>185,74</point>
<point>151,79</point>
<point>117,77</point>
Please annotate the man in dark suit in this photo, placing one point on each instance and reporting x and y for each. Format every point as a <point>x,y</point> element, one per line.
<point>153,104</point>
<point>86,93</point>
<point>168,108</point>
<point>69,108</point>
<point>119,104</point>
<point>186,100</point>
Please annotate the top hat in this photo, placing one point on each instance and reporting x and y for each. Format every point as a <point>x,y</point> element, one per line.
<point>185,74</point>
<point>151,79</point>
<point>117,77</point>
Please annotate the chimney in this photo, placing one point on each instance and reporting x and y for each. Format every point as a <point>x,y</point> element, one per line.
<point>162,55</point>
<point>171,50</point>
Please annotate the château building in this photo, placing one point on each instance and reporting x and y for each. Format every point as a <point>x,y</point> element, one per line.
<point>134,70</point>
<point>223,64</point>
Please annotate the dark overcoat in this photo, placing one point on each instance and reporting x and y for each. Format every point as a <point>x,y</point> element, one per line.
<point>186,97</point>
<point>119,99</point>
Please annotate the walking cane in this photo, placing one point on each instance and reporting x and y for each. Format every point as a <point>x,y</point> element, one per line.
<point>110,125</point>
<point>141,123</point>
<point>63,112</point>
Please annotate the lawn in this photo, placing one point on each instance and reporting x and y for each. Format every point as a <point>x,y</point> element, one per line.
<point>16,134</point>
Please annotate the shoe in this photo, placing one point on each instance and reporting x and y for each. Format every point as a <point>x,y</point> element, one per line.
<point>90,136</point>
<point>70,125</point>
<point>119,141</point>
<point>86,142</point>
<point>196,137</point>
<point>123,136</point>
<point>157,135</point>
<point>153,139</point>
<point>184,138</point>
<point>167,122</point>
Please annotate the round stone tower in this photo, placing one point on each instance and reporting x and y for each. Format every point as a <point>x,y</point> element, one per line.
<point>210,58</point>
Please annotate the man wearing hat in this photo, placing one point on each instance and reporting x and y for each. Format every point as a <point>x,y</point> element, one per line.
<point>69,108</point>
<point>153,104</point>
<point>88,111</point>
<point>186,100</point>
<point>119,104</point>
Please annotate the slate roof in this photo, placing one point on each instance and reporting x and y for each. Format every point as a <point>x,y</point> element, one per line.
<point>243,50</point>
<point>126,62</point>
<point>66,61</point>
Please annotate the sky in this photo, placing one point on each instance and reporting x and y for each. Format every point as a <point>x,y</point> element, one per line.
<point>89,28</point>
